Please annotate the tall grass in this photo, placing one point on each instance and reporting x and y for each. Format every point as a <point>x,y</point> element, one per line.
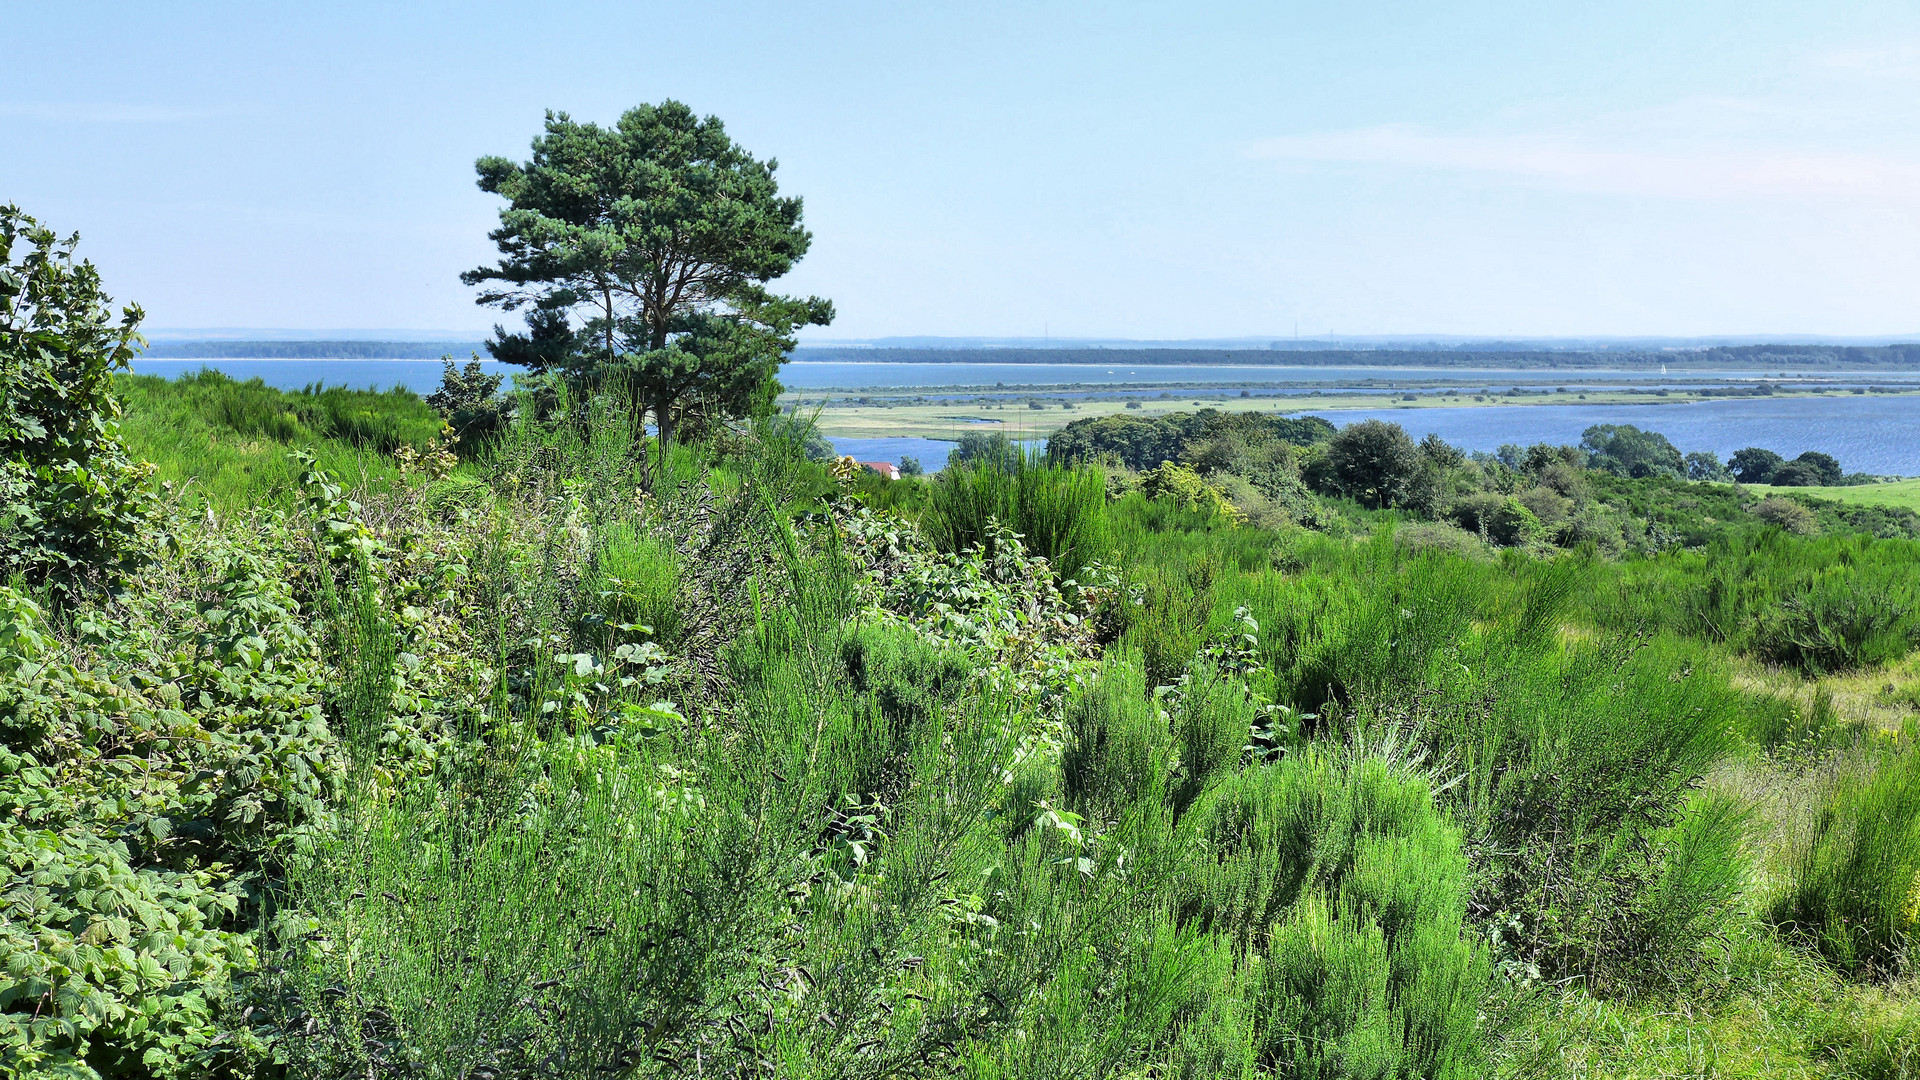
<point>1854,889</point>
<point>1059,511</point>
<point>228,440</point>
<point>1819,604</point>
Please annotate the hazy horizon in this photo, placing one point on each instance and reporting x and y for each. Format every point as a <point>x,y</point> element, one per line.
<point>1260,341</point>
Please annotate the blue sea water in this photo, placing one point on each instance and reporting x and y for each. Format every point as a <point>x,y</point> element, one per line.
<point>1867,433</point>
<point>420,376</point>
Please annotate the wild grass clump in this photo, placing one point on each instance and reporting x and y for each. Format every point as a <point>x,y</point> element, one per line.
<point>1060,511</point>
<point>1854,889</point>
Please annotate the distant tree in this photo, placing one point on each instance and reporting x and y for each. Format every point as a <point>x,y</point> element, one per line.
<point>469,399</point>
<point>1373,461</point>
<point>1625,450</point>
<point>986,448</point>
<point>1143,442</point>
<point>1441,453</point>
<point>1704,466</point>
<point>1542,456</point>
<point>74,505</point>
<point>1826,466</point>
<point>1754,465</point>
<point>910,466</point>
<point>660,233</point>
<point>1798,474</point>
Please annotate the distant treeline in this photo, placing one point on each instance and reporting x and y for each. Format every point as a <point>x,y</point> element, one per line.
<point>1748,357</point>
<point>312,350</point>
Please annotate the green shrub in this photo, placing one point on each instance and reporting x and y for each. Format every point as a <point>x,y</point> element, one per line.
<point>1372,461</point>
<point>1185,488</point>
<point>1369,970</point>
<point>1501,519</point>
<point>1836,626</point>
<point>1212,717</point>
<point>150,779</point>
<point>1787,514</point>
<point>1851,891</point>
<point>1060,512</point>
<point>1120,751</point>
<point>1167,620</point>
<point>470,401</point>
<point>73,504</point>
<point>1435,537</point>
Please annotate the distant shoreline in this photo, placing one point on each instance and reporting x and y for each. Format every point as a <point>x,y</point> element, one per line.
<point>1759,358</point>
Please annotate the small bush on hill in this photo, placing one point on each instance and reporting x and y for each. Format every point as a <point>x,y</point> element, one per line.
<point>470,401</point>
<point>1786,514</point>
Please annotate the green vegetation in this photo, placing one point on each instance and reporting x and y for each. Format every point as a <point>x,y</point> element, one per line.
<point>1897,495</point>
<point>72,504</point>
<point>1294,754</point>
<point>225,443</point>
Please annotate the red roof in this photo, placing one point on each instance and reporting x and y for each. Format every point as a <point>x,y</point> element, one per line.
<point>885,468</point>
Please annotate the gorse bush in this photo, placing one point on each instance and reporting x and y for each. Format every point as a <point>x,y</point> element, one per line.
<point>1357,886</point>
<point>1834,625</point>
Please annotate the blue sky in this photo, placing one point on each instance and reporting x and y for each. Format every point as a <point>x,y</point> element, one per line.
<point>1111,170</point>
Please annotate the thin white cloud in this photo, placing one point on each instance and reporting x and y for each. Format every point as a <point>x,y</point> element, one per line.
<point>69,112</point>
<point>1580,165</point>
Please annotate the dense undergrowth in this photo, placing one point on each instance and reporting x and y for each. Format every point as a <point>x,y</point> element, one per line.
<point>576,760</point>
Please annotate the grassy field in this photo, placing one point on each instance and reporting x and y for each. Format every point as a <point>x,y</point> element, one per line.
<point>1903,493</point>
<point>225,443</point>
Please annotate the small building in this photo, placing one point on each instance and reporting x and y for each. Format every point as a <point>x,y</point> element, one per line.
<point>885,468</point>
